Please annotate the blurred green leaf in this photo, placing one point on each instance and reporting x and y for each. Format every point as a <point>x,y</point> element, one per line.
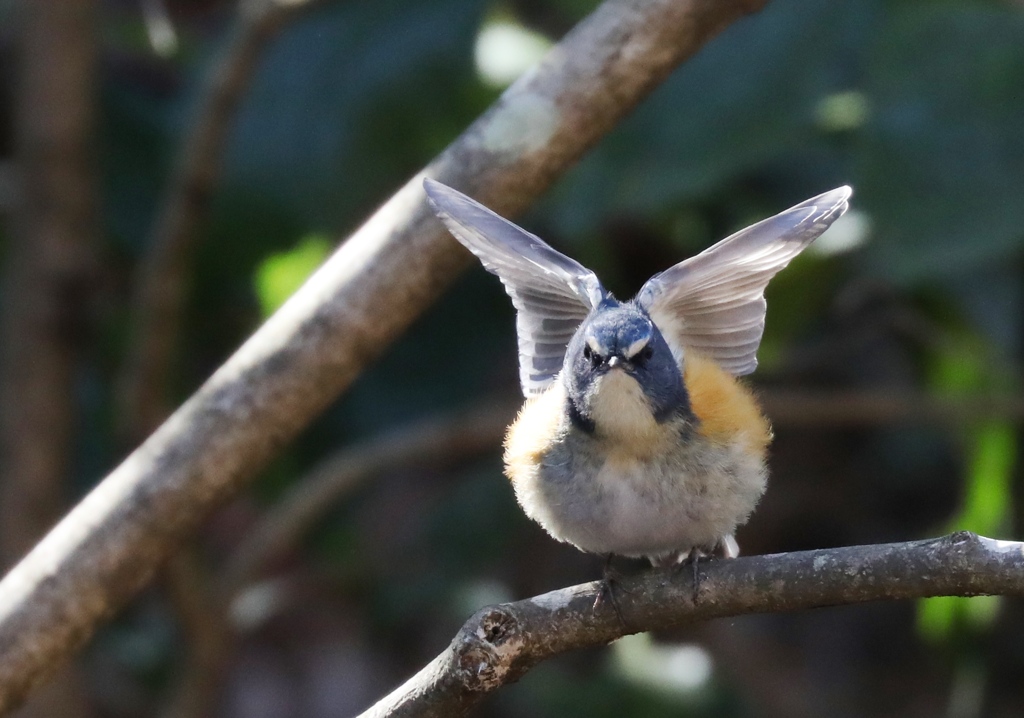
<point>962,368</point>
<point>280,274</point>
<point>986,507</point>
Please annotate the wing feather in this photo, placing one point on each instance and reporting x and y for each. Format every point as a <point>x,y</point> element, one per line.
<point>714,303</point>
<point>551,292</point>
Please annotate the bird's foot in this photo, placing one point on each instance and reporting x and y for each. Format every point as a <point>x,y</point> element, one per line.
<point>725,547</point>
<point>693,560</point>
<point>609,578</point>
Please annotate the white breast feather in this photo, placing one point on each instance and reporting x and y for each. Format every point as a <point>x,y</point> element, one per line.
<point>620,408</point>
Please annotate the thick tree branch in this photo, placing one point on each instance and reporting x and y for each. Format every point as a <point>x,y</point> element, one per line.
<point>161,285</point>
<point>501,643</point>
<point>381,279</point>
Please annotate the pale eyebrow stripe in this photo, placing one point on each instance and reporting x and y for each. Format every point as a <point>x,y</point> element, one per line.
<point>632,349</point>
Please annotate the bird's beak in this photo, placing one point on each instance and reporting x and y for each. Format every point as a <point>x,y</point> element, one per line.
<point>614,362</point>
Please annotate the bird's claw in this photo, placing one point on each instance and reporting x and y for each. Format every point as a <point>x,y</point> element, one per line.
<point>607,593</point>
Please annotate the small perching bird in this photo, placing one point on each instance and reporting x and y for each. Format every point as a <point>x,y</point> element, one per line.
<point>636,439</point>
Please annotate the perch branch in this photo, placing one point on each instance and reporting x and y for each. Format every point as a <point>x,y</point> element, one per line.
<point>308,352</point>
<point>501,643</point>
<point>161,284</point>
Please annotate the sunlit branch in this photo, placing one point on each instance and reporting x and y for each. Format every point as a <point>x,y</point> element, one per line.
<point>501,643</point>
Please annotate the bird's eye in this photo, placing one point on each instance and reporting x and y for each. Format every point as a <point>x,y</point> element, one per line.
<point>587,352</point>
<point>645,354</point>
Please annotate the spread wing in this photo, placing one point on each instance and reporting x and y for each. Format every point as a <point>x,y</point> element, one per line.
<point>552,293</point>
<point>714,303</point>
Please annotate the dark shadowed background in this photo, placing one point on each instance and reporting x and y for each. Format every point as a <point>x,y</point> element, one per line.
<point>890,364</point>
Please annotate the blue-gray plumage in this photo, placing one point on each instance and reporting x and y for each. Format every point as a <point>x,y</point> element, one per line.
<point>636,439</point>
<point>623,336</point>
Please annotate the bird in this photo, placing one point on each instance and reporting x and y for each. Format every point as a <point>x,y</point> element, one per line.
<point>637,437</point>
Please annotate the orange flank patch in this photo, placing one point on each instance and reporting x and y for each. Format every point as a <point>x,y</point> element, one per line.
<point>725,407</point>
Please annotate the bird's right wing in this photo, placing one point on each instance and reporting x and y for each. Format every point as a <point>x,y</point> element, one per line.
<point>552,293</point>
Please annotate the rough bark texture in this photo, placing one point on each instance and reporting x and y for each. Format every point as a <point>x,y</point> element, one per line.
<point>48,276</point>
<point>381,279</point>
<point>501,643</point>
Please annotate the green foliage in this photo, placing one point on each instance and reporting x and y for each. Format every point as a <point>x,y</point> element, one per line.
<point>963,367</point>
<point>986,510</point>
<point>280,274</point>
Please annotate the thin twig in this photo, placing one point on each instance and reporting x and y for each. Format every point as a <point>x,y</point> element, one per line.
<point>452,438</point>
<point>160,288</point>
<point>203,606</point>
<point>353,307</point>
<point>208,636</point>
<point>501,643</point>
<point>160,292</point>
<point>849,408</point>
<point>445,439</point>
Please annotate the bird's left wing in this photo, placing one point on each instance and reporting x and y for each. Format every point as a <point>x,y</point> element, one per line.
<point>552,293</point>
<point>714,302</point>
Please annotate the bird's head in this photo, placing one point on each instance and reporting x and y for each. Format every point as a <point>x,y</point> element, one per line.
<point>619,370</point>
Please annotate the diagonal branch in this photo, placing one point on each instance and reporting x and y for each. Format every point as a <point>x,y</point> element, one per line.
<point>365,295</point>
<point>501,643</point>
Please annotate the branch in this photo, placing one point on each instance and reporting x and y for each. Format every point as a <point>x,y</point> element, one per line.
<point>209,639</point>
<point>437,439</point>
<point>160,286</point>
<point>831,409</point>
<point>364,296</point>
<point>501,643</point>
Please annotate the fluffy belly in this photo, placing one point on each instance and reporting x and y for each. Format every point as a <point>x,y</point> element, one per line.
<point>688,497</point>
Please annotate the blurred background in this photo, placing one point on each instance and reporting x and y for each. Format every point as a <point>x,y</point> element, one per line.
<point>890,364</point>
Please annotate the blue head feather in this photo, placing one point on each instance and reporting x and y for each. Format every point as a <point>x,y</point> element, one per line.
<point>622,335</point>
